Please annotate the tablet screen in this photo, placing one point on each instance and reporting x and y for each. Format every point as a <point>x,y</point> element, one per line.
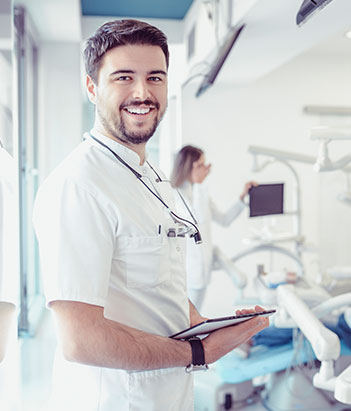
<point>266,199</point>
<point>214,324</point>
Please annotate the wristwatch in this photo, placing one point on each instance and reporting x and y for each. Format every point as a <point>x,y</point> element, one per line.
<point>198,362</point>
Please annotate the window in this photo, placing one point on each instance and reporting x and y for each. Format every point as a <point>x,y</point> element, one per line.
<point>26,64</point>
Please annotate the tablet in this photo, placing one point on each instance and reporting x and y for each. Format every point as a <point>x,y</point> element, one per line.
<point>214,324</point>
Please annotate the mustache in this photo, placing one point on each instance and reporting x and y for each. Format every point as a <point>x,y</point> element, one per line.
<point>147,102</point>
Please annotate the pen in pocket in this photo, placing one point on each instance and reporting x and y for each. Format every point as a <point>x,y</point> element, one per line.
<point>159,229</point>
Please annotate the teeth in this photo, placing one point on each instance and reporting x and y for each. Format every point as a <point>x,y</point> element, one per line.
<point>138,110</point>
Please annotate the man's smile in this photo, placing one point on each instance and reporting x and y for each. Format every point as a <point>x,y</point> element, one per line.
<point>139,110</point>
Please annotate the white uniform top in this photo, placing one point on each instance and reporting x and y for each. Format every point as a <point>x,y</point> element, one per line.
<point>199,258</point>
<point>98,231</point>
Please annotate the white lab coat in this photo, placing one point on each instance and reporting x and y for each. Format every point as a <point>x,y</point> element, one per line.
<point>199,258</point>
<point>98,231</point>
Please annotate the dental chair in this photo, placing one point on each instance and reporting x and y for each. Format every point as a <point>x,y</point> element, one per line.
<point>313,372</point>
<point>285,377</point>
<point>325,343</point>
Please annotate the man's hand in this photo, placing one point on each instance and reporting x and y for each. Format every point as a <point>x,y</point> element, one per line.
<point>195,316</point>
<point>246,189</point>
<point>87,337</point>
<point>222,341</point>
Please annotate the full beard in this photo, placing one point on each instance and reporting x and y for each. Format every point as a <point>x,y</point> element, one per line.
<point>119,130</point>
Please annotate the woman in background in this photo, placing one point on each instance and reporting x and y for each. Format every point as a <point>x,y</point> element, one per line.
<point>189,172</point>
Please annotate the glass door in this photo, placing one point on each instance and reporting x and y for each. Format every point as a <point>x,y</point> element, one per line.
<point>26,69</point>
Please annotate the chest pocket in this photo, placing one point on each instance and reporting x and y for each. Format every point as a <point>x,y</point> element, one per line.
<point>143,261</point>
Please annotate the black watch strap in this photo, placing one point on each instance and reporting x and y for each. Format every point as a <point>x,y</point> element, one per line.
<point>197,350</point>
<point>198,356</point>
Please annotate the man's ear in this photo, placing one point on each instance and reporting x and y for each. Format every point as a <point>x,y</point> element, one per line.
<point>91,89</point>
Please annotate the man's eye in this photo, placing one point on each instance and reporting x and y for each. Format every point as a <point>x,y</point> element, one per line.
<point>155,79</point>
<point>123,78</point>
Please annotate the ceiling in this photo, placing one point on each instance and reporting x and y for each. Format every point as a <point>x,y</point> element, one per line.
<point>161,9</point>
<point>271,38</point>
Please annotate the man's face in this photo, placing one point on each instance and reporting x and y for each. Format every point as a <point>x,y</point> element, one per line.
<point>131,94</point>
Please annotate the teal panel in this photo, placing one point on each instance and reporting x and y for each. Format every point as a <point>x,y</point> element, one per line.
<point>160,9</point>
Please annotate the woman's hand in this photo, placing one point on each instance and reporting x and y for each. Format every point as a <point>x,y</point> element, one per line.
<point>199,171</point>
<point>246,189</point>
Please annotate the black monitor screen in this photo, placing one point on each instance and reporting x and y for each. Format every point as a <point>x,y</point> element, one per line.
<point>266,199</point>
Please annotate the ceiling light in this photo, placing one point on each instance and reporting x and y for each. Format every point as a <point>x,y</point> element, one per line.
<point>348,34</point>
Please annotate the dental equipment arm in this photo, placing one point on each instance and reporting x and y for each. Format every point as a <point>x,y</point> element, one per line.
<point>323,162</point>
<point>324,342</point>
<point>273,248</point>
<point>345,196</point>
<point>340,273</point>
<point>325,135</point>
<point>280,155</point>
<point>330,133</point>
<point>221,261</point>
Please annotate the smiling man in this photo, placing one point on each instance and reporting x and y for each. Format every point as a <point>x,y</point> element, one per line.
<point>113,278</point>
<point>131,99</point>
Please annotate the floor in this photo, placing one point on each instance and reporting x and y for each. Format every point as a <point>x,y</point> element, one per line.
<point>36,358</point>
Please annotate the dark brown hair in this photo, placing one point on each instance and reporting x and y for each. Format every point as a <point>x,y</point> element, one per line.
<point>183,164</point>
<point>120,33</point>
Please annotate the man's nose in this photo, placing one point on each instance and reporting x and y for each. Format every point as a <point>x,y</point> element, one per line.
<point>140,90</point>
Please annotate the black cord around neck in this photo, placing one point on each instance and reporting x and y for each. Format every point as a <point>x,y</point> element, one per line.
<point>120,159</point>
<point>139,177</point>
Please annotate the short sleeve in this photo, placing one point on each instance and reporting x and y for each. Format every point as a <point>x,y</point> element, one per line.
<point>76,235</point>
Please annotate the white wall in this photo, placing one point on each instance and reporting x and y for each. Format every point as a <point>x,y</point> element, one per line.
<point>60,102</point>
<point>6,102</point>
<point>268,112</point>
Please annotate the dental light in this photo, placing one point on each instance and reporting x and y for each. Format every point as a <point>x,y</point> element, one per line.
<point>325,135</point>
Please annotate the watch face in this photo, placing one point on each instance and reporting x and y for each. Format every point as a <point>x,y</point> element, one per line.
<point>191,368</point>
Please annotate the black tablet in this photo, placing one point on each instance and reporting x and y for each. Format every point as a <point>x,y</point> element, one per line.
<point>214,324</point>
<point>266,199</point>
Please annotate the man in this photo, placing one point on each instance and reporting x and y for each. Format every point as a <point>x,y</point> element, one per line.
<point>114,279</point>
